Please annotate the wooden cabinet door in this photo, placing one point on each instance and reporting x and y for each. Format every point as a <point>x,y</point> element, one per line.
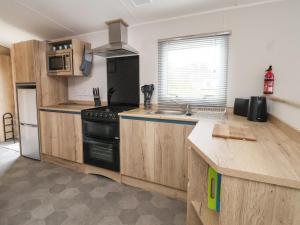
<point>171,154</point>
<point>137,149</point>
<point>155,152</point>
<point>25,61</point>
<point>61,135</point>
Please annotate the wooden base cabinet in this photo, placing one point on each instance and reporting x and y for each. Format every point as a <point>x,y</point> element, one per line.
<point>243,202</point>
<point>155,151</point>
<point>197,200</point>
<point>61,135</point>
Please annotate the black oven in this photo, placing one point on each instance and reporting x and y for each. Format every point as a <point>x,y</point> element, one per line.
<point>101,144</point>
<point>101,124</point>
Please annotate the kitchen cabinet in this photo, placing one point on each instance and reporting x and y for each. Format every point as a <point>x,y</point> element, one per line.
<point>259,179</point>
<point>155,151</point>
<point>69,52</point>
<point>61,135</point>
<point>29,66</point>
<point>198,192</point>
<point>25,61</point>
<point>242,202</point>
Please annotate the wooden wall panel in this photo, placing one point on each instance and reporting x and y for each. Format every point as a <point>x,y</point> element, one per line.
<point>6,90</point>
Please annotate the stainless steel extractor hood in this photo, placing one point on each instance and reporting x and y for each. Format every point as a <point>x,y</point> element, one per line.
<point>117,46</point>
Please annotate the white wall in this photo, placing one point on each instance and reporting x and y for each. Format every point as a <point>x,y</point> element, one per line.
<point>261,35</point>
<point>10,34</point>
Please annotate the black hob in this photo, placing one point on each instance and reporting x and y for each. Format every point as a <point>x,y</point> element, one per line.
<point>105,113</point>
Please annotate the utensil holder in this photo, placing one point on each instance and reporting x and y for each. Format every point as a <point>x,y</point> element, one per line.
<point>97,101</point>
<point>147,103</point>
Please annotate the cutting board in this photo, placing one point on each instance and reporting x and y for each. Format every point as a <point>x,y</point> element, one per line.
<point>233,132</point>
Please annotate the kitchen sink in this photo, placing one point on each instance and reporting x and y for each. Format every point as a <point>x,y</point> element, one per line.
<point>167,112</point>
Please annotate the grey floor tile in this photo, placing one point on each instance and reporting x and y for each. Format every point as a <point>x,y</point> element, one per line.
<point>56,218</point>
<point>129,216</point>
<point>39,193</point>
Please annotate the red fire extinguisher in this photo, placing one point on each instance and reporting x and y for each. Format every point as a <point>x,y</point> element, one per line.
<point>269,81</point>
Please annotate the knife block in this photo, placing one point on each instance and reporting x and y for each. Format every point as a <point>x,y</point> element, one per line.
<point>97,101</point>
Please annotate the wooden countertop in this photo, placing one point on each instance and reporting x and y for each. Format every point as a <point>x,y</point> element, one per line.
<point>274,158</point>
<point>68,107</point>
<point>142,113</point>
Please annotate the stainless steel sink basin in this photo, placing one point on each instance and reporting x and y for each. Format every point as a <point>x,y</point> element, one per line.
<point>167,112</point>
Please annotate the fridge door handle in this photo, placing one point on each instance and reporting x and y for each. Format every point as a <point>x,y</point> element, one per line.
<point>29,125</point>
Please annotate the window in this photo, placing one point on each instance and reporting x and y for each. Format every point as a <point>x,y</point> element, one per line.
<point>193,70</point>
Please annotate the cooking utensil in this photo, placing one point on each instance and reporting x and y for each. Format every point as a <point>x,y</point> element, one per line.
<point>147,91</point>
<point>110,92</point>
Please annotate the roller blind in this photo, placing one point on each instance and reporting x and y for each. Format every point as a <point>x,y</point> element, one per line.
<point>193,70</point>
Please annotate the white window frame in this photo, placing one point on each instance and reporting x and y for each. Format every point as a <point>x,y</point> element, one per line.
<point>173,101</point>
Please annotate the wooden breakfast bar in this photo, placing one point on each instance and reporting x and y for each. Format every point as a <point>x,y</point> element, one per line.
<point>260,180</point>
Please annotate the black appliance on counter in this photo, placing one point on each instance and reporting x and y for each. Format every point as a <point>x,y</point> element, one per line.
<point>101,138</point>
<point>258,109</point>
<point>241,106</point>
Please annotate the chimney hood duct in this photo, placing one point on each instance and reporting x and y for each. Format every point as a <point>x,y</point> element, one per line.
<point>117,46</point>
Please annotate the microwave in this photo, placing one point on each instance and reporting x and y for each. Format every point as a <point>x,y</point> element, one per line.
<point>60,62</point>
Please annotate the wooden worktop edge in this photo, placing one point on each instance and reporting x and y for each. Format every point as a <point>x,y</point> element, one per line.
<point>243,174</point>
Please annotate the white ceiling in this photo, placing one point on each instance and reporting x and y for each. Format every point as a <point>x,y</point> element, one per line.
<point>50,19</point>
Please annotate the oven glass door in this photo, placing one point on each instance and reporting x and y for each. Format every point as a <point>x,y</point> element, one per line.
<point>56,62</point>
<point>106,130</point>
<point>102,153</point>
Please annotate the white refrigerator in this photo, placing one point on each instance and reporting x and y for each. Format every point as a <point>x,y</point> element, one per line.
<point>28,119</point>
